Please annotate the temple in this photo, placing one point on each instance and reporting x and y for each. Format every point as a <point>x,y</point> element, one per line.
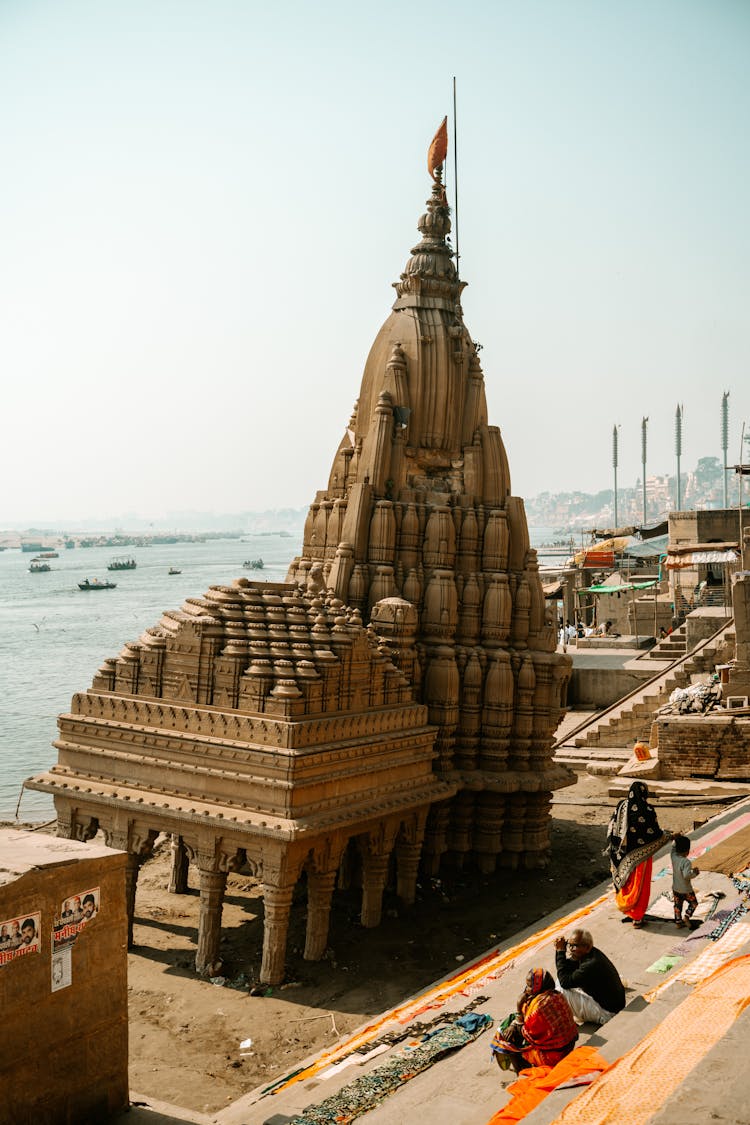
<point>393,702</point>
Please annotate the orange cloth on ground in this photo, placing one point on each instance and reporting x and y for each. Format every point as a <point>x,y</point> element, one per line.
<point>635,894</point>
<point>636,1087</point>
<point>534,1084</point>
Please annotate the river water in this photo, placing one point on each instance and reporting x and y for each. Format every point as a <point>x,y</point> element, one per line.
<point>53,636</point>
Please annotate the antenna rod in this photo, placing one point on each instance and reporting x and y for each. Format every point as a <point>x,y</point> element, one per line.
<point>455,176</point>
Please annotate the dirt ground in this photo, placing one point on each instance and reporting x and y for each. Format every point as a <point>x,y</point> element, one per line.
<point>186,1033</point>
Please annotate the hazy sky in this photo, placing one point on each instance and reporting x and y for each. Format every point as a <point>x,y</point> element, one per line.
<point>203,205</point>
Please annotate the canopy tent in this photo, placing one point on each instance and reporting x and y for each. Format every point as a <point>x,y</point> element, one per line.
<point>650,549</point>
<point>701,554</point>
<point>620,588</point>
<point>602,554</point>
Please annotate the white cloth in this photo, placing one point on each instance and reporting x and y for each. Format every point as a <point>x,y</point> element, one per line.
<point>584,1008</point>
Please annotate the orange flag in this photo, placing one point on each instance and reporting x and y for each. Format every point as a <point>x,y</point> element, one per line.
<point>438,149</point>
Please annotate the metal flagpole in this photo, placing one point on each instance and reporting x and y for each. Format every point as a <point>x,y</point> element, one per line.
<point>455,177</point>
<point>725,441</point>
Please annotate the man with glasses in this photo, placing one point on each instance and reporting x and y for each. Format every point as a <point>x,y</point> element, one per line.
<point>588,979</point>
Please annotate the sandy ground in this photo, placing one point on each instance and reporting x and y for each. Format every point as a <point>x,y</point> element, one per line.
<point>185,1033</point>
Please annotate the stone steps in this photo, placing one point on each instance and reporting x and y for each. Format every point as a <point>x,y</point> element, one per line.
<point>631,718</point>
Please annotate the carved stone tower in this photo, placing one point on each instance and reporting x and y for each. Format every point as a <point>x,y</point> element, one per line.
<point>419,510</point>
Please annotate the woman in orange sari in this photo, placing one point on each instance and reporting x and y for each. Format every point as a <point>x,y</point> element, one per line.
<point>541,1032</point>
<point>633,838</point>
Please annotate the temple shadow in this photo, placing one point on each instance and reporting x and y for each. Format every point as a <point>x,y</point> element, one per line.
<point>458,916</point>
<point>168,925</point>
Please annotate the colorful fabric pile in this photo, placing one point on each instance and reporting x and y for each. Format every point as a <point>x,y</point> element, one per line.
<point>369,1090</point>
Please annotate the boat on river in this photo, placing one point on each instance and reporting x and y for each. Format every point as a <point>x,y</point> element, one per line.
<point>174,570</point>
<point>253,564</point>
<point>96,584</point>
<point>39,566</point>
<point>125,563</point>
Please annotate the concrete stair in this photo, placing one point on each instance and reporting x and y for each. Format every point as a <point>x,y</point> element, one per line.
<point>599,743</point>
<point>671,647</point>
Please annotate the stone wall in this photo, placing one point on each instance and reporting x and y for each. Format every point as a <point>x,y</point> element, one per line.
<point>709,746</point>
<point>65,1052</point>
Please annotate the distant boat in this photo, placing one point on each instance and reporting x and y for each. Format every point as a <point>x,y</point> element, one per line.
<point>96,584</point>
<point>174,570</point>
<point>48,555</point>
<point>38,566</point>
<point>253,564</point>
<point>124,563</point>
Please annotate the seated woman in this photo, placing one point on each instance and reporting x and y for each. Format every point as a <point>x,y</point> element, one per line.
<point>541,1032</point>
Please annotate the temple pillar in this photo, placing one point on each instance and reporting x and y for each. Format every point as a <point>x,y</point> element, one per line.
<point>208,954</point>
<point>320,886</point>
<point>374,871</point>
<point>407,867</point>
<point>277,903</point>
<point>435,837</point>
<point>178,878</point>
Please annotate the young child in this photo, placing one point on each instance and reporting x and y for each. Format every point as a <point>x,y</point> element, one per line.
<point>683,873</point>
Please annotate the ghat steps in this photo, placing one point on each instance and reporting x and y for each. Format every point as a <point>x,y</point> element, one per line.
<point>603,743</point>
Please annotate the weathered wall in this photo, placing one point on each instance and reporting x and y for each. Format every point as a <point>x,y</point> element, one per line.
<point>601,687</point>
<point>703,623</point>
<point>64,1054</point>
<point>704,746</point>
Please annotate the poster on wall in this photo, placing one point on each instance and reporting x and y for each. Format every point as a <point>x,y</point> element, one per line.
<point>75,913</point>
<point>19,936</point>
<point>62,967</point>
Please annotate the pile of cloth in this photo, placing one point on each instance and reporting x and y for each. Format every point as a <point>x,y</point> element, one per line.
<point>696,699</point>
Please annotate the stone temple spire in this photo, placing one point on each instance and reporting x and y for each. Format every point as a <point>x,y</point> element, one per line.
<point>418,518</point>
<point>430,272</point>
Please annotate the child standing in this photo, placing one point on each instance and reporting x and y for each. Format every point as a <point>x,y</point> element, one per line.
<point>683,873</point>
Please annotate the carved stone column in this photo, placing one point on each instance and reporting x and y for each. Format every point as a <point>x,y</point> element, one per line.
<point>178,879</point>
<point>407,866</point>
<point>374,871</point>
<point>138,841</point>
<point>277,903</point>
<point>320,886</point>
<point>207,954</point>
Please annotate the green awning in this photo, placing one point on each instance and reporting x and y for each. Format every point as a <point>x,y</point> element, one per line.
<point>623,588</point>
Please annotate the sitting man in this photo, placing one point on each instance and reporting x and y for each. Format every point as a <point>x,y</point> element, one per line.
<point>588,979</point>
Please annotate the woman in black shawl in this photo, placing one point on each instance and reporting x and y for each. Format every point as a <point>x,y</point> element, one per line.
<point>633,838</point>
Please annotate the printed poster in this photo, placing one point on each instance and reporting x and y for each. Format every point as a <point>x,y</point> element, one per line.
<point>75,914</point>
<point>62,967</point>
<point>19,936</point>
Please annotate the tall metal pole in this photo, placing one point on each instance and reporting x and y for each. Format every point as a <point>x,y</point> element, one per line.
<point>644,429</point>
<point>678,452</point>
<point>614,466</point>
<point>725,441</point>
<point>455,177</point>
<point>743,439</point>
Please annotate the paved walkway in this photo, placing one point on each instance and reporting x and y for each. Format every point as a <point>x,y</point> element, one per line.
<point>466,1088</point>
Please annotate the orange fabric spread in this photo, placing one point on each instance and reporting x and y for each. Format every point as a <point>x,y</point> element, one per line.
<point>638,1084</point>
<point>534,1084</point>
